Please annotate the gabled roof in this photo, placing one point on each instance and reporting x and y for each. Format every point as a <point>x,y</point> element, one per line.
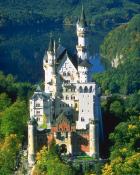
<point>64,117</point>
<point>38,89</point>
<point>59,51</point>
<point>64,53</point>
<point>74,60</point>
<point>85,63</point>
<point>39,94</point>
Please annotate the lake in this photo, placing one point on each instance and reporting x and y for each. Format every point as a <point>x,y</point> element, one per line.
<point>22,48</point>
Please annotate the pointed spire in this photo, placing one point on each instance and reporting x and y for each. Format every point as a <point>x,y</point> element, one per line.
<point>54,46</point>
<point>59,41</point>
<point>38,89</point>
<point>82,20</point>
<point>51,44</point>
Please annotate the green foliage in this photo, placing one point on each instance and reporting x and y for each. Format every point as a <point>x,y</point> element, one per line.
<point>9,149</point>
<point>44,125</point>
<point>121,107</point>
<point>41,158</point>
<point>116,108</point>
<point>124,79</point>
<point>47,159</point>
<point>125,137</point>
<point>14,89</point>
<point>125,153</point>
<point>132,105</point>
<point>5,101</point>
<point>123,42</point>
<point>131,165</point>
<point>23,12</point>
<point>14,119</point>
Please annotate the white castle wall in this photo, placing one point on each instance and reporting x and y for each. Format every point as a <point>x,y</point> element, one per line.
<point>40,107</point>
<point>87,93</point>
<point>83,74</point>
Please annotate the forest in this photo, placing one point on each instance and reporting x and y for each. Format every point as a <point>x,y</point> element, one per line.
<point>121,109</point>
<point>104,13</point>
<point>21,67</point>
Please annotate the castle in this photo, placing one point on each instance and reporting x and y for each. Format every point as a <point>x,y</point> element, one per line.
<point>68,110</point>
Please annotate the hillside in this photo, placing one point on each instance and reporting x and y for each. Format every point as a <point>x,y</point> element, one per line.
<point>121,108</point>
<point>122,43</point>
<point>101,13</point>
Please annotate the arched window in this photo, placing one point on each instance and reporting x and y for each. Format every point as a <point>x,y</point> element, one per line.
<point>80,89</point>
<point>85,89</point>
<point>72,97</point>
<point>90,89</point>
<point>75,105</point>
<point>73,89</point>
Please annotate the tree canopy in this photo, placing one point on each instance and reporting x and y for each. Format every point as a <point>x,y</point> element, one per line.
<point>49,162</point>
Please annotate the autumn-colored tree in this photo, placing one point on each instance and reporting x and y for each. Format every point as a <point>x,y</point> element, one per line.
<point>49,163</point>
<point>9,150</point>
<point>125,153</point>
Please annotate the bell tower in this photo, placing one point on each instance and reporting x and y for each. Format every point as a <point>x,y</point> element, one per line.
<point>82,31</point>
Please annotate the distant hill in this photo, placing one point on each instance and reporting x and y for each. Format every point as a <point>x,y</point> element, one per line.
<point>101,13</point>
<point>123,43</point>
<point>121,48</point>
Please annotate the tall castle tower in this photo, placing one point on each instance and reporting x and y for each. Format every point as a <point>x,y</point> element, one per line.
<point>49,68</point>
<point>82,30</point>
<point>82,49</point>
<point>32,125</point>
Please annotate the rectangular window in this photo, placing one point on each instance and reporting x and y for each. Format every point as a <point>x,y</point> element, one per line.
<point>37,112</point>
<point>37,105</point>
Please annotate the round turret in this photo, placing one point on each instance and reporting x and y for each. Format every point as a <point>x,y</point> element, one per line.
<point>32,124</point>
<point>82,30</point>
